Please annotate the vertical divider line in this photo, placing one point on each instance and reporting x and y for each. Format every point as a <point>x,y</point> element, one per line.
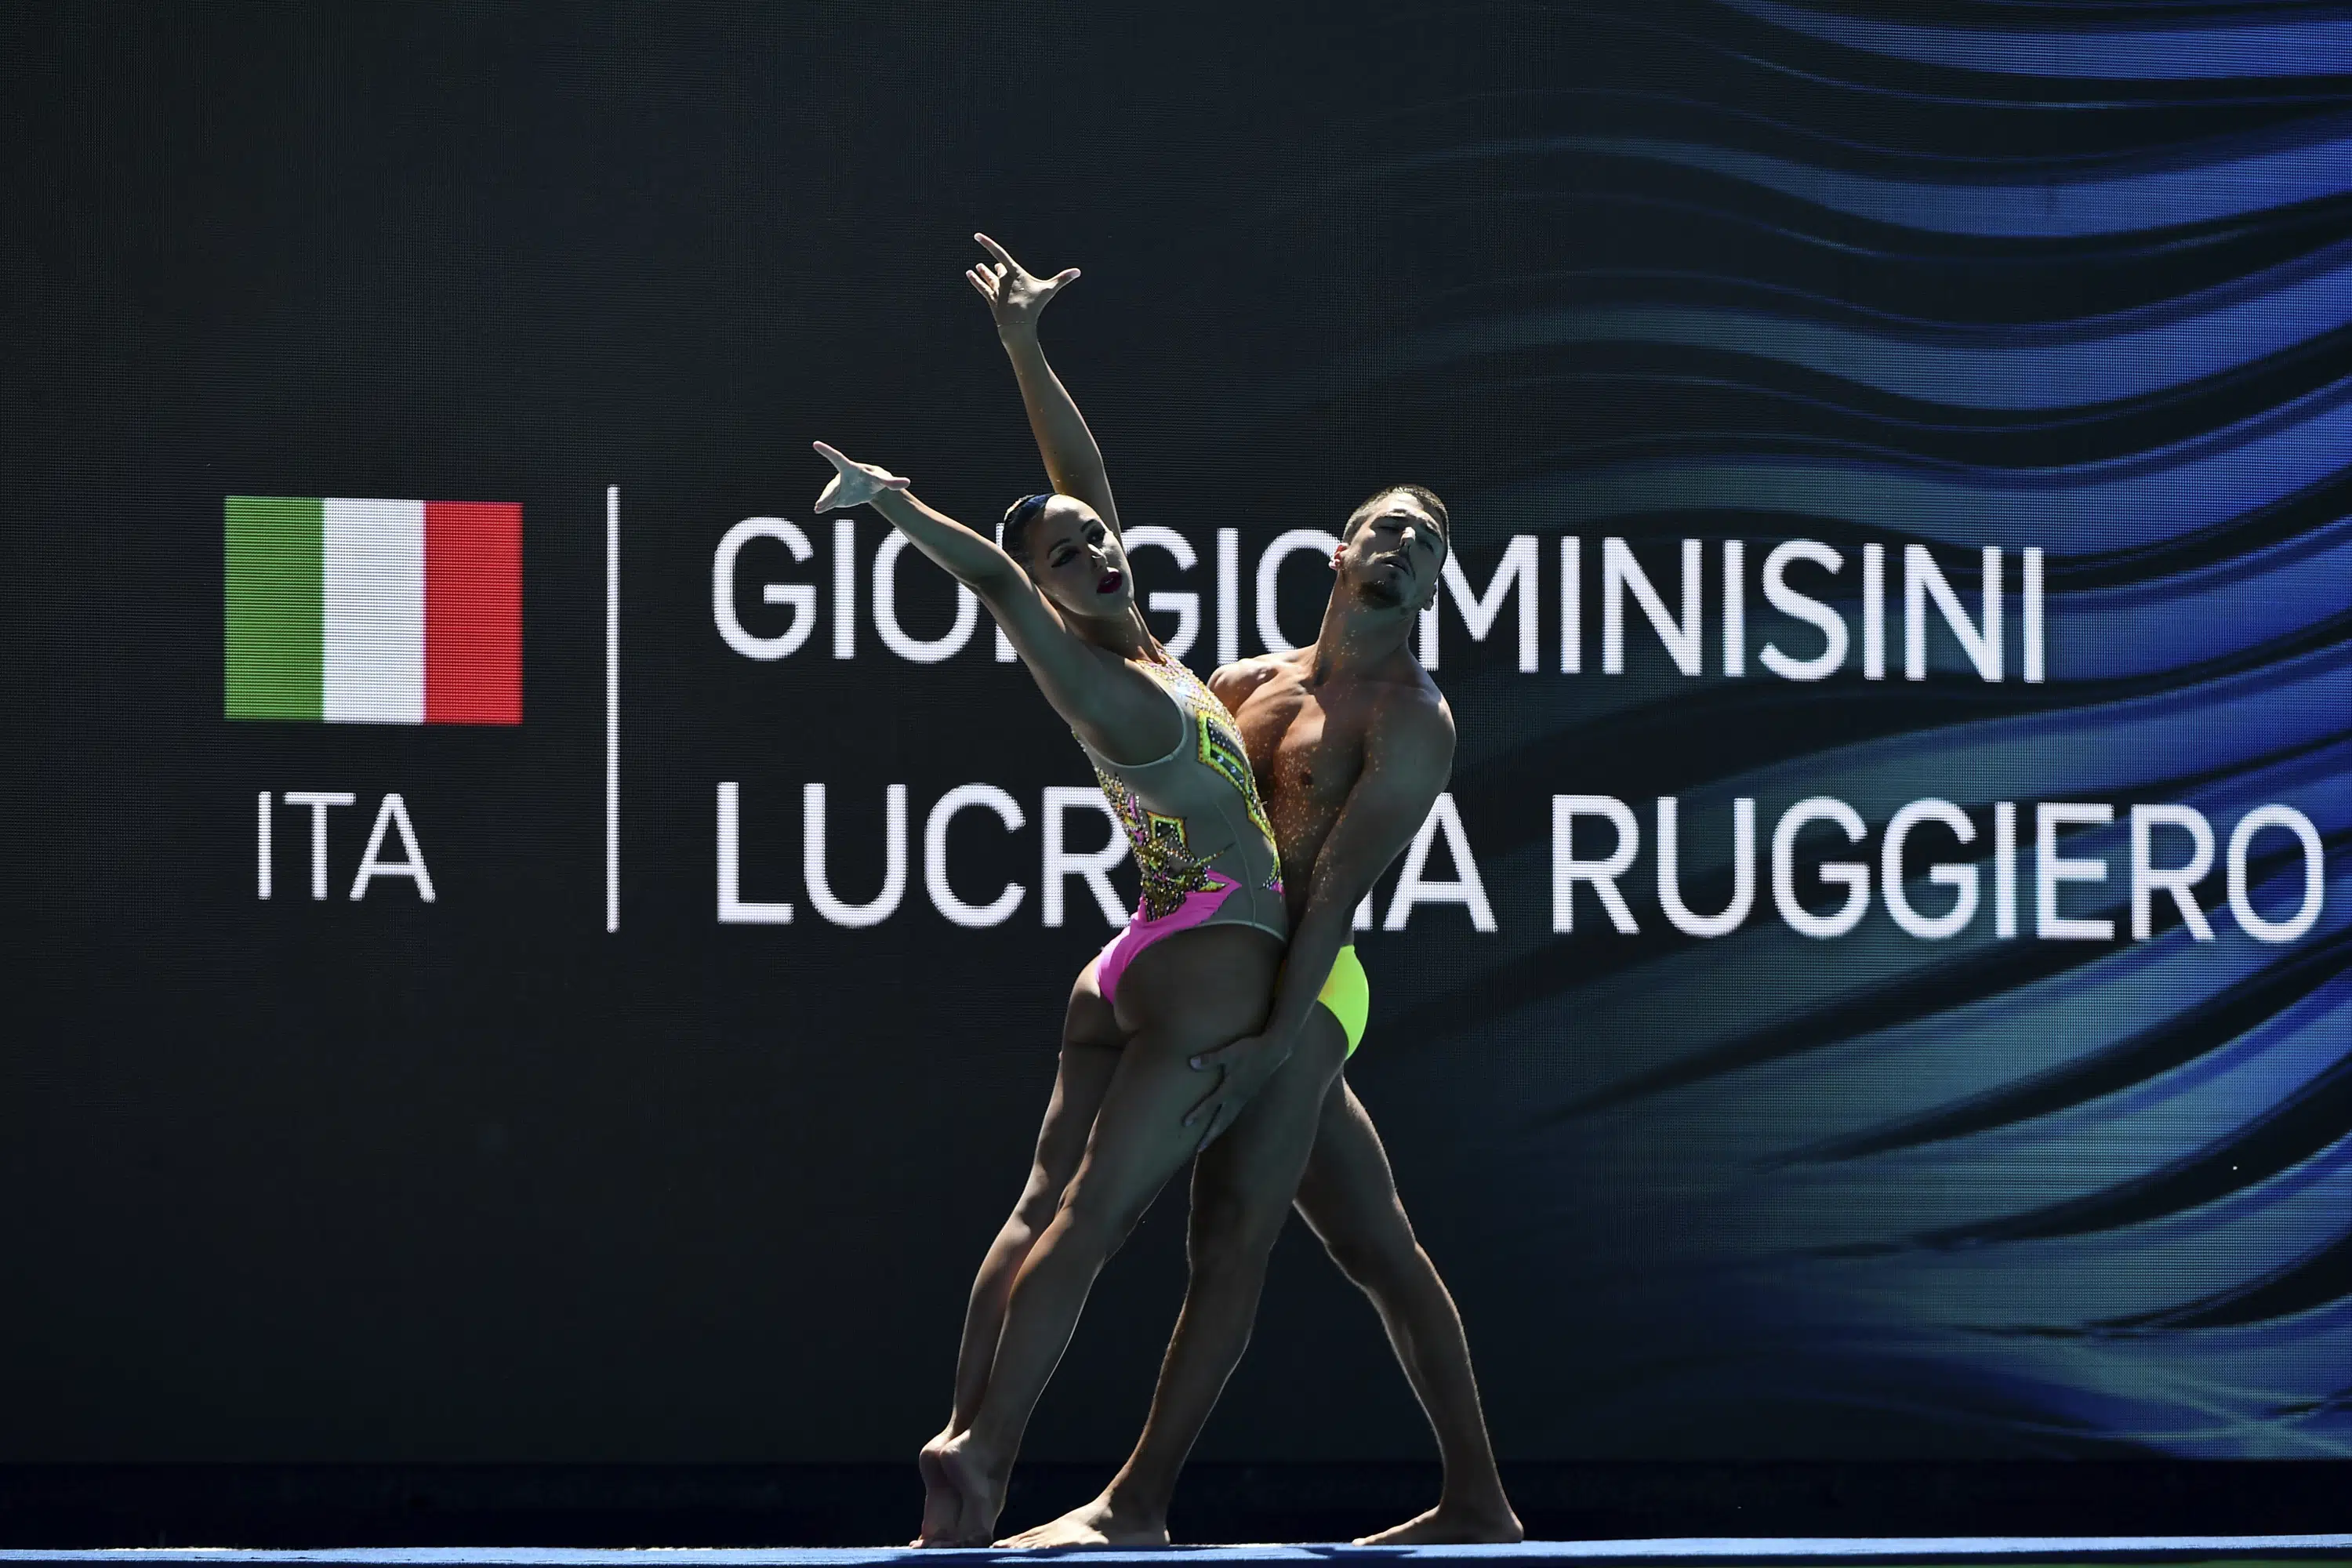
<point>612,708</point>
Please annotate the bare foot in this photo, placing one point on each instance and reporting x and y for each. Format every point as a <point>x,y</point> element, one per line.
<point>972,1471</point>
<point>1106,1522</point>
<point>1453,1524</point>
<point>942,1501</point>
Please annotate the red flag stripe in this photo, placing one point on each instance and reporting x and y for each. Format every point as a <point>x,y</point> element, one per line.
<point>473,612</point>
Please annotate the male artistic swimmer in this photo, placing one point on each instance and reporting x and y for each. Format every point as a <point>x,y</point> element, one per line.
<point>1350,742</point>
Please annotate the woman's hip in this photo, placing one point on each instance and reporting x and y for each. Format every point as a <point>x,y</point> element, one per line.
<point>1213,981</point>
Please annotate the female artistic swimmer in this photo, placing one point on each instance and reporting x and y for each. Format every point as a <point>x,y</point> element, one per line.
<point>1195,968</point>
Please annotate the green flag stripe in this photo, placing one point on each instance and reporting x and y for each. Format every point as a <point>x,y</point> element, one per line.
<point>276,597</point>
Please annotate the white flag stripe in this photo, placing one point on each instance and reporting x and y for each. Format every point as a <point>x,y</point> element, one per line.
<point>374,612</point>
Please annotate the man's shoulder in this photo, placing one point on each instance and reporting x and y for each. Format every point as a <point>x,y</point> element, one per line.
<point>1406,688</point>
<point>1234,681</point>
<point>1410,708</point>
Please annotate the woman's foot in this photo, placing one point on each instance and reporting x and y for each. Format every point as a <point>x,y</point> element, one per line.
<point>941,1502</point>
<point>1453,1524</point>
<point>978,1481</point>
<point>1106,1522</point>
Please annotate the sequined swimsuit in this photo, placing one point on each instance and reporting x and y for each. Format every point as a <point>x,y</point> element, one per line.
<point>1199,831</point>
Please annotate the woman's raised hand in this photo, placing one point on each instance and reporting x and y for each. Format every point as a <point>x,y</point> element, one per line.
<point>1016,296</point>
<point>855,483</point>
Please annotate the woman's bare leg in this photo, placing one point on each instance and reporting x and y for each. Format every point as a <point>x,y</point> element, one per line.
<point>1090,1044</point>
<point>1183,995</point>
<point>1242,1189</point>
<point>1349,1196</point>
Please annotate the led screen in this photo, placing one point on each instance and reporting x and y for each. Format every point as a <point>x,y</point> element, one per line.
<point>566,965</point>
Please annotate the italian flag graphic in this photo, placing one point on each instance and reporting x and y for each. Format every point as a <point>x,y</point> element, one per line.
<point>374,612</point>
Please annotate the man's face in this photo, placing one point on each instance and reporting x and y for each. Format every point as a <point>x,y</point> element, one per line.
<point>1395,553</point>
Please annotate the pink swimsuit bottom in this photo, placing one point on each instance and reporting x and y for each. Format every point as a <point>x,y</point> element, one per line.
<point>1140,933</point>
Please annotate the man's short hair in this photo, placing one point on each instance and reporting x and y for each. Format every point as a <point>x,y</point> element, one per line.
<point>1421,493</point>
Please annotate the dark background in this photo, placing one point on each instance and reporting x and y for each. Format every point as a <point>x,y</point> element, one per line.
<point>387,1184</point>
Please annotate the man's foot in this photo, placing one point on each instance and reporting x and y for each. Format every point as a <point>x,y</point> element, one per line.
<point>942,1501</point>
<point>1105,1521</point>
<point>1453,1524</point>
<point>974,1476</point>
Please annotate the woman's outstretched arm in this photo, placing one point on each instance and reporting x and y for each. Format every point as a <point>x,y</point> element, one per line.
<point>1083,685</point>
<point>1016,297</point>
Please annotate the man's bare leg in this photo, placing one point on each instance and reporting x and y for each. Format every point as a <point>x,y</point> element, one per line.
<point>1349,1196</point>
<point>1242,1189</point>
<point>1090,1041</point>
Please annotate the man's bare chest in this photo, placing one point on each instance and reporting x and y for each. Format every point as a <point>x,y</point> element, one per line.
<point>1305,747</point>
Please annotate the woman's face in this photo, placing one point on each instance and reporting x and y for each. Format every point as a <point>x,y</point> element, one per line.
<point>1076,562</point>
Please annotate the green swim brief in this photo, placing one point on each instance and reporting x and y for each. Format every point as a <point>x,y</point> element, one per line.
<point>1349,994</point>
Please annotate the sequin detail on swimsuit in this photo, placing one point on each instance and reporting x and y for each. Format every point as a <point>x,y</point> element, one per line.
<point>1220,747</point>
<point>1169,867</point>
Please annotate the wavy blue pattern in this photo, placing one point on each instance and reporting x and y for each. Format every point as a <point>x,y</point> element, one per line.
<point>2096,507</point>
<point>2046,205</point>
<point>2097,360</point>
<point>2320,47</point>
<point>2259,597</point>
<point>2066,283</point>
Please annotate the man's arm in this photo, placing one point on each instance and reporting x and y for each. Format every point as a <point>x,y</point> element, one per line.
<point>1016,297</point>
<point>1408,755</point>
